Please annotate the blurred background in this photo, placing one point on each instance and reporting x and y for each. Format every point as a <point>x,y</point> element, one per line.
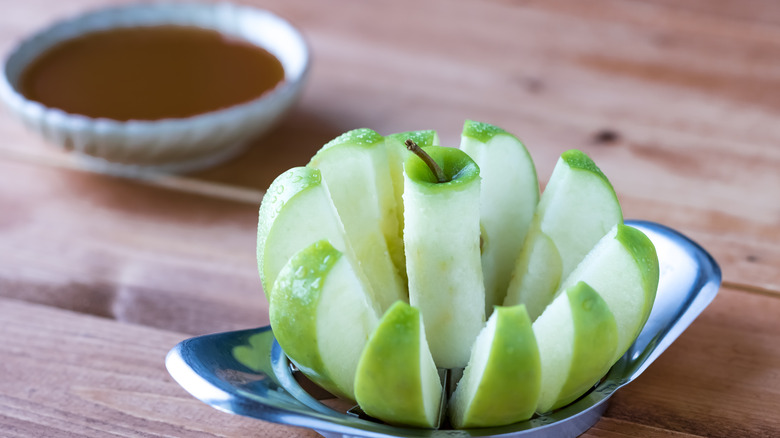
<point>677,102</point>
<point>674,101</point>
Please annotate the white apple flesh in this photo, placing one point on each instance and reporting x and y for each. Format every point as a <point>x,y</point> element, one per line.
<point>441,240</point>
<point>541,267</point>
<point>396,154</point>
<point>623,269</point>
<point>296,211</point>
<point>321,316</point>
<point>508,197</point>
<point>355,168</point>
<point>576,209</point>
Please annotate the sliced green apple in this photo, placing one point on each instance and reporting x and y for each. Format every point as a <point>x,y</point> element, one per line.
<point>508,198</point>
<point>355,168</point>
<point>542,268</point>
<point>396,379</point>
<point>577,337</point>
<point>321,316</point>
<point>576,209</point>
<point>501,383</point>
<point>441,239</point>
<point>623,268</point>
<point>296,211</point>
<point>396,154</point>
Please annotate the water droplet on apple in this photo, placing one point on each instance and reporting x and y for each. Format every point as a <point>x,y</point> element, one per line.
<point>587,304</point>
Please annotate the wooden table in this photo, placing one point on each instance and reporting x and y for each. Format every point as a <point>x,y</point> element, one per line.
<point>678,102</point>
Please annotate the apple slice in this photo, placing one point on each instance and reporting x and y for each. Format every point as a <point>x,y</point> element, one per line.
<point>576,209</point>
<point>501,383</point>
<point>542,267</point>
<point>354,166</point>
<point>623,268</point>
<point>321,316</point>
<point>508,198</point>
<point>577,337</point>
<point>441,239</point>
<point>296,211</point>
<point>396,154</point>
<point>396,379</point>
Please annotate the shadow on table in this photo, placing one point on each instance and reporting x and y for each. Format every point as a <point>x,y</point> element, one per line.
<point>292,143</point>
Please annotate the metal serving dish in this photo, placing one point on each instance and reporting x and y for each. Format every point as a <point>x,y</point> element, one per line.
<point>246,372</point>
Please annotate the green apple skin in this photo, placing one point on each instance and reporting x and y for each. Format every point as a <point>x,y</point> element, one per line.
<point>577,337</point>
<point>322,317</point>
<point>443,263</point>
<point>396,154</point>
<point>623,268</point>
<point>396,379</point>
<point>355,169</point>
<point>508,198</point>
<point>502,381</point>
<point>296,211</point>
<point>577,208</point>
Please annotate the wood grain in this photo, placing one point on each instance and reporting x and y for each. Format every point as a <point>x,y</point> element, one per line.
<point>68,374</point>
<point>128,251</point>
<point>719,379</point>
<point>680,90</point>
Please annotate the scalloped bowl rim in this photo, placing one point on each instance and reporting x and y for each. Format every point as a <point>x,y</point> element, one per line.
<point>254,25</point>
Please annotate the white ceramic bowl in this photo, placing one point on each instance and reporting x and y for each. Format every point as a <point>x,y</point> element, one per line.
<point>168,145</point>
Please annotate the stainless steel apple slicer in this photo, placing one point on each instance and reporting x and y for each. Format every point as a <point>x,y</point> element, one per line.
<point>247,373</point>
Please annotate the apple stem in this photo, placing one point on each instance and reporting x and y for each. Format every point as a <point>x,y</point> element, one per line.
<point>413,147</point>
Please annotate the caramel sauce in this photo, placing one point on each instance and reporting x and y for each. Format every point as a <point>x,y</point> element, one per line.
<point>150,73</point>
